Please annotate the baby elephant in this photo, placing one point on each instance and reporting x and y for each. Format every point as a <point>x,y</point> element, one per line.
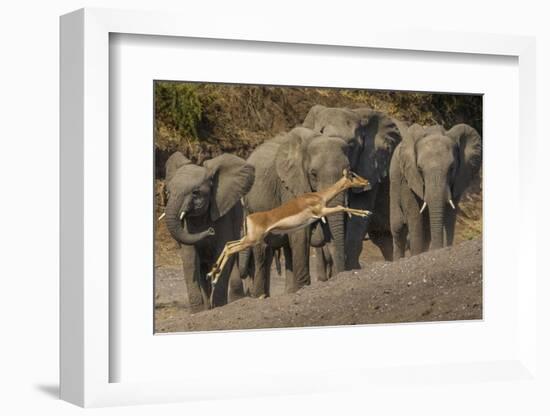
<point>430,170</point>
<point>203,213</point>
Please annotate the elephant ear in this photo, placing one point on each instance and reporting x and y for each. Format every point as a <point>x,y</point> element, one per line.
<point>384,130</point>
<point>174,162</point>
<point>408,157</point>
<point>313,113</point>
<point>468,141</point>
<point>231,179</point>
<point>290,160</point>
<point>379,132</point>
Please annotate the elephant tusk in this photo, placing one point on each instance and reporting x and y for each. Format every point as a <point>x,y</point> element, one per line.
<point>423,207</point>
<point>162,216</point>
<point>324,220</point>
<point>182,215</point>
<point>451,203</point>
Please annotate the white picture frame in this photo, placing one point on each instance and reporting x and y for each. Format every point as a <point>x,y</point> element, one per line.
<point>86,356</point>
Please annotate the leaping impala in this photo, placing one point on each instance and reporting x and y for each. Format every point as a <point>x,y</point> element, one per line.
<point>291,216</point>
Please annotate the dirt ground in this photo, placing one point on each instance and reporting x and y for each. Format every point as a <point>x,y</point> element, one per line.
<point>440,285</point>
<point>377,293</point>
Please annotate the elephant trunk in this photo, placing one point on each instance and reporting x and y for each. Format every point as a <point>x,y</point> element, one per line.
<point>436,206</point>
<point>336,226</point>
<point>177,226</point>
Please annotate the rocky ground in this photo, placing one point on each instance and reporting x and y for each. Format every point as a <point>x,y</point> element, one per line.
<point>441,285</point>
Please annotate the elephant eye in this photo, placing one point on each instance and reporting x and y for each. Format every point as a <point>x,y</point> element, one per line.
<point>313,173</point>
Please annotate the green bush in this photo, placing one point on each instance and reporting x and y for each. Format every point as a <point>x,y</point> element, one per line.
<point>178,112</point>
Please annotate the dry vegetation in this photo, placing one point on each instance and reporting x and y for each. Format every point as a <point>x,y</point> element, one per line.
<point>204,120</point>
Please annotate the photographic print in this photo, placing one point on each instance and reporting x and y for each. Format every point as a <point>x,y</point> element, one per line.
<point>279,207</point>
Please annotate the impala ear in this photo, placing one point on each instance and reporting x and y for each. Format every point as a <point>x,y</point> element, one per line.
<point>290,160</point>
<point>231,178</point>
<point>469,156</point>
<point>408,155</point>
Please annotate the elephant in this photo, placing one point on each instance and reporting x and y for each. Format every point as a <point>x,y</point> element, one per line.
<point>287,166</point>
<point>430,170</point>
<point>203,213</point>
<point>372,137</point>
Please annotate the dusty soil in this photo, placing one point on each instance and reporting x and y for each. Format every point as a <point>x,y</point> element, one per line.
<point>440,285</point>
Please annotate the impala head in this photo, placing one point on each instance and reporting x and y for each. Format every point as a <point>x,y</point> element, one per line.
<point>353,180</point>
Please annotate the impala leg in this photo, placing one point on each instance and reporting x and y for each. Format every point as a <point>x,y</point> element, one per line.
<point>337,209</point>
<point>358,212</point>
<point>223,254</point>
<point>229,251</point>
<point>223,258</point>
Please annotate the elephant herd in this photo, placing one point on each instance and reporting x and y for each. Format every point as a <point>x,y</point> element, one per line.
<point>417,176</point>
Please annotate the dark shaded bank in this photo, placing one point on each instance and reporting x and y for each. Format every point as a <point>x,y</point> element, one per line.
<point>441,285</point>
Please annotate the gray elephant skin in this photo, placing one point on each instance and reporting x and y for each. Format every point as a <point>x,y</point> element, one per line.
<point>372,137</point>
<point>288,166</point>
<point>203,213</point>
<point>431,167</point>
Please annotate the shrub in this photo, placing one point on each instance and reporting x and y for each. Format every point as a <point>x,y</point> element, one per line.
<point>178,112</point>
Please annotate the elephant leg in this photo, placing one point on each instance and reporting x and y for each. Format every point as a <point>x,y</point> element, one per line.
<point>426,231</point>
<point>192,277</point>
<point>299,246</point>
<point>205,286</point>
<point>383,240</point>
<point>247,274</point>
<point>320,264</point>
<point>356,230</point>
<point>263,256</point>
<point>236,287</point>
<point>416,234</point>
<point>399,241</point>
<point>218,294</point>
<point>229,285</point>
<point>319,241</point>
<point>290,282</point>
<point>328,261</point>
<point>450,222</point>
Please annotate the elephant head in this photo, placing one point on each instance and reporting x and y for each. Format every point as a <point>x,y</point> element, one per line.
<point>199,195</point>
<point>308,162</point>
<point>438,166</point>
<point>371,135</point>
